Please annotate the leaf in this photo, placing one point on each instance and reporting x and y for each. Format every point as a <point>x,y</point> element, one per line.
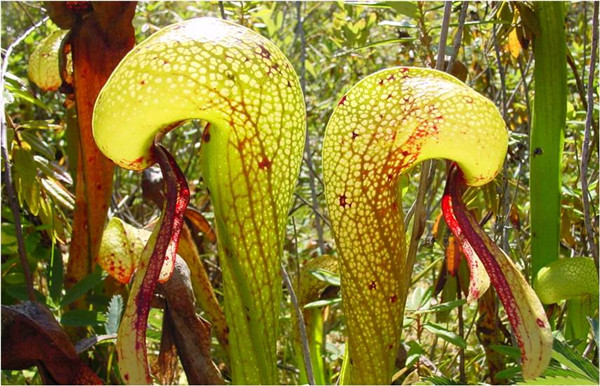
<point>32,336</point>
<point>315,275</point>
<point>25,177</point>
<point>82,287</point>
<point>567,278</point>
<point>51,170</point>
<point>82,318</point>
<point>38,144</point>
<point>86,343</point>
<point>58,193</point>
<point>529,19</point>
<point>200,222</point>
<point>443,307</point>
<point>56,275</point>
<point>121,248</point>
<point>403,7</point>
<point>385,43</point>
<point>508,373</point>
<point>558,380</point>
<point>19,291</point>
<point>326,276</point>
<point>8,235</point>
<point>113,314</point>
<point>24,95</point>
<point>43,69</point>
<point>556,370</point>
<point>400,7</point>
<point>525,311</point>
<point>40,125</point>
<point>448,336</point>
<point>414,353</point>
<point>416,299</point>
<point>322,303</point>
<point>191,333</point>
<point>514,46</point>
<point>510,351</point>
<point>568,357</point>
<point>441,380</point>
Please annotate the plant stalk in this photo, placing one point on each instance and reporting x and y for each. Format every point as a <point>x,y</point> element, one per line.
<point>309,160</point>
<point>585,153</point>
<point>301,326</point>
<point>547,134</point>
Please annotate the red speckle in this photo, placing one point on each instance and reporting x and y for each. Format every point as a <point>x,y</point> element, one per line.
<point>389,96</point>
<point>372,285</point>
<point>468,99</point>
<point>341,102</point>
<point>126,376</point>
<point>393,298</point>
<point>264,163</point>
<point>136,162</point>
<point>540,322</point>
<point>395,206</point>
<point>354,135</point>
<point>343,202</point>
<point>142,82</point>
<point>391,77</point>
<point>289,84</point>
<point>380,82</point>
<point>264,52</point>
<point>272,69</point>
<point>390,346</point>
<point>79,6</point>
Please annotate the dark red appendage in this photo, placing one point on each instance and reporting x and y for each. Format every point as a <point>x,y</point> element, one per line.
<point>460,221</point>
<point>177,198</point>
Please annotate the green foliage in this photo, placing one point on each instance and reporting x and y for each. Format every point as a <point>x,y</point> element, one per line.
<point>113,315</point>
<point>83,286</point>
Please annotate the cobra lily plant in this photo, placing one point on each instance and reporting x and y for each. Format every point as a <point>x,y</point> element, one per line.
<point>384,125</point>
<point>244,87</point>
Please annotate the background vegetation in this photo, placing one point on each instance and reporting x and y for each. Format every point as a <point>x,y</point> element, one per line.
<point>332,45</point>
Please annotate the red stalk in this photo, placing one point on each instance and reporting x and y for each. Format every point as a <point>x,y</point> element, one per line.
<point>165,248</point>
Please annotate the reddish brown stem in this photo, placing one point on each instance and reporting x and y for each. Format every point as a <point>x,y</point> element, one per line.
<point>177,197</point>
<point>98,41</point>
